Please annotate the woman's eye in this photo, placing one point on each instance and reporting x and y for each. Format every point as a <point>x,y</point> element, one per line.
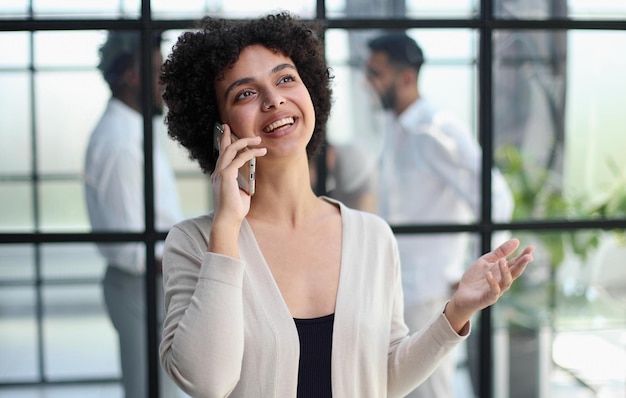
<point>287,79</point>
<point>244,94</point>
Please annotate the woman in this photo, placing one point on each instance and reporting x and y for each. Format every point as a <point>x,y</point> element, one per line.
<point>283,293</point>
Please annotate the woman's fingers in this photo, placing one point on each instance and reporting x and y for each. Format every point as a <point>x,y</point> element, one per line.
<point>501,274</point>
<point>518,264</point>
<point>243,145</point>
<point>506,279</point>
<point>234,152</point>
<point>231,148</point>
<point>502,251</point>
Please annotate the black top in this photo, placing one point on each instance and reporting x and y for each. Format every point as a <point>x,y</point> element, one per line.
<point>316,341</point>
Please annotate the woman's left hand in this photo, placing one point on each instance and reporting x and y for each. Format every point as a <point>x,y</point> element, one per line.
<point>486,281</point>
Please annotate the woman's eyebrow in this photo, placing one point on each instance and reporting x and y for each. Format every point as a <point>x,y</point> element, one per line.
<point>280,67</point>
<point>236,84</point>
<point>247,80</point>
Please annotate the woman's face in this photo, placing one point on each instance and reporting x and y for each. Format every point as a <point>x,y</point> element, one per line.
<point>263,95</point>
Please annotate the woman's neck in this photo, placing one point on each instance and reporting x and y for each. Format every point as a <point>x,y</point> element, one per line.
<point>283,195</point>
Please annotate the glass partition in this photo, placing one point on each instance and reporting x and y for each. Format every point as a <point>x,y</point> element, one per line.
<point>560,9</point>
<point>16,199</point>
<point>564,322</point>
<point>358,123</point>
<point>54,307</point>
<point>15,149</point>
<point>19,343</point>
<point>448,77</point>
<point>558,123</point>
<point>195,9</point>
<point>77,9</point>
<point>402,9</point>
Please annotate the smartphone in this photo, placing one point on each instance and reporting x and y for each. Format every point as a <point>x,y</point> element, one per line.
<point>246,176</point>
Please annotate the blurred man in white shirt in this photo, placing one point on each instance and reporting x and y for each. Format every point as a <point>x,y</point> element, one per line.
<point>429,174</point>
<point>114,190</point>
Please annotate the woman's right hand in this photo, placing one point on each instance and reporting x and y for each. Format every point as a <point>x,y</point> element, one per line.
<point>230,203</point>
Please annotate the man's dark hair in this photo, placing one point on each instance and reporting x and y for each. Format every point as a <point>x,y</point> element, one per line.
<point>120,52</point>
<point>200,57</point>
<point>401,49</point>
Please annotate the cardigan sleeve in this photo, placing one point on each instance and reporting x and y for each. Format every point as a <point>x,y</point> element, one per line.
<point>203,332</point>
<point>412,359</point>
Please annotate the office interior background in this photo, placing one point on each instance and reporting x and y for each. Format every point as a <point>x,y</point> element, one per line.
<point>540,83</point>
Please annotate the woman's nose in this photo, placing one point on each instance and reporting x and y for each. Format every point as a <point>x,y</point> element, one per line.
<point>272,100</point>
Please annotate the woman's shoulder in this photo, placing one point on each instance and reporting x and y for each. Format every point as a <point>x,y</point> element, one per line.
<point>195,222</point>
<point>367,221</point>
<point>194,228</point>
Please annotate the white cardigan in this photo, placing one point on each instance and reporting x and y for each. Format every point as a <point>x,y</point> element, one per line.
<point>229,333</point>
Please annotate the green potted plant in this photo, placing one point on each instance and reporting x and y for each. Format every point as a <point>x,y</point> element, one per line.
<point>530,308</point>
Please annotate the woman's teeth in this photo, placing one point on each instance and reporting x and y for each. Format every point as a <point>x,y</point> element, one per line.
<point>279,123</point>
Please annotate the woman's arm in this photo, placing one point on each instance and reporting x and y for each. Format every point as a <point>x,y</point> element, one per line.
<point>203,331</point>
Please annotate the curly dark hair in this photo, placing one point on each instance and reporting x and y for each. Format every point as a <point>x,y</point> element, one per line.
<point>200,57</point>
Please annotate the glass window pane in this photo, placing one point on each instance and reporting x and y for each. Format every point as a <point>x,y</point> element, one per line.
<point>18,335</point>
<point>62,206</point>
<point>597,9</point>
<point>427,287</point>
<point>561,327</point>
<point>179,157</point>
<point>15,124</point>
<point>558,123</point>
<point>195,196</point>
<point>530,9</point>
<point>67,49</point>
<point>80,340</point>
<point>559,9</point>
<point>441,8</point>
<point>595,139</point>
<point>412,8</point>
<point>447,45</point>
<point>194,187</point>
<point>16,207</point>
<point>70,82</point>
<point>355,124</point>
<point>448,75</point>
<point>192,9</point>
<point>447,86</point>
<point>252,9</point>
<point>195,9</point>
<point>63,140</point>
<point>359,8</point>
<point>440,81</point>
<point>14,47</point>
<point>71,261</point>
<point>86,9</point>
<point>14,9</point>
<point>16,263</point>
